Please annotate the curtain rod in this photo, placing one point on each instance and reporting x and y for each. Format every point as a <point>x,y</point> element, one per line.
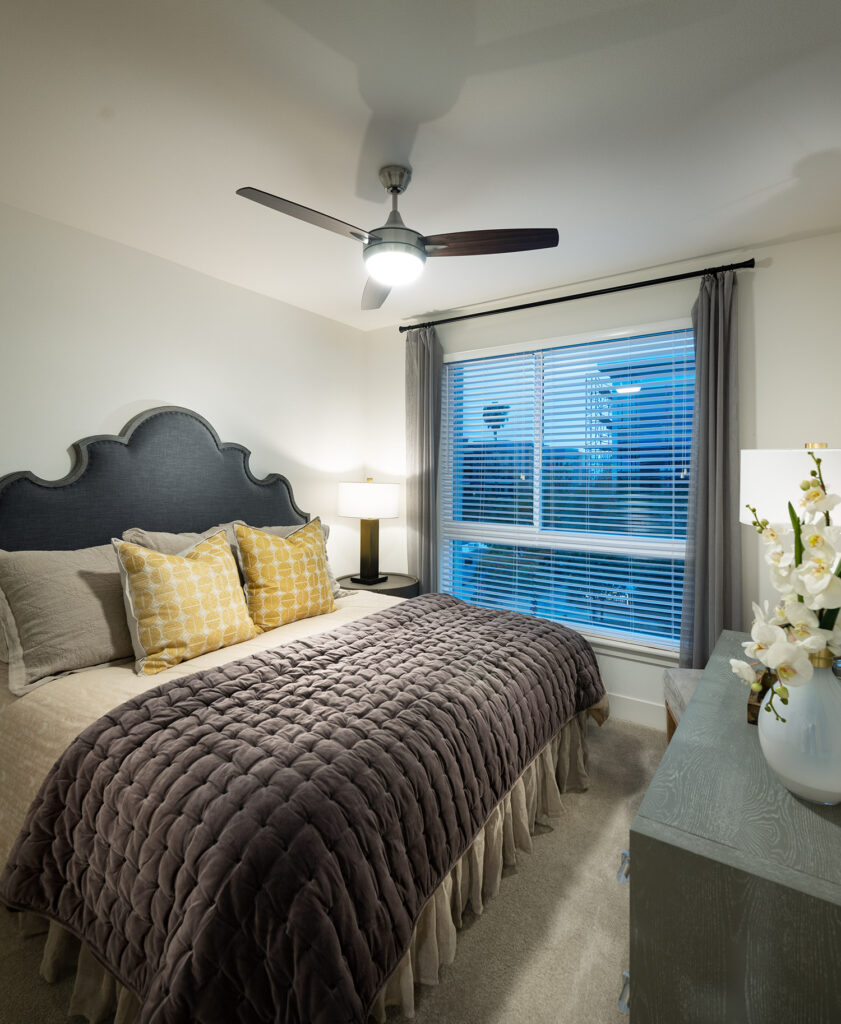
<point>746,264</point>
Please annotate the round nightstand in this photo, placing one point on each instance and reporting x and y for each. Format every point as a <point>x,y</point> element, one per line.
<point>397,585</point>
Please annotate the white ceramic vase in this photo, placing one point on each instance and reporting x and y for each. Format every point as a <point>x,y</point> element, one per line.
<point>804,752</point>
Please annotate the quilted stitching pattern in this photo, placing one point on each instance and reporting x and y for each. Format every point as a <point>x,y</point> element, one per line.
<point>285,577</point>
<point>183,606</point>
<point>254,843</point>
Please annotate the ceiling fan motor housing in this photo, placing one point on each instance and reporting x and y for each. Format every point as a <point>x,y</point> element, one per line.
<point>395,237</point>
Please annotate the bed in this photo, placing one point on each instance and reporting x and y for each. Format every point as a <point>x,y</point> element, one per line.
<point>337,792</point>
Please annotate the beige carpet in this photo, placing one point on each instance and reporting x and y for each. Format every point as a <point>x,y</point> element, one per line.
<point>550,949</point>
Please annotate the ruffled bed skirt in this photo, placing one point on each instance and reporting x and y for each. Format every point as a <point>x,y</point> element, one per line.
<point>561,766</point>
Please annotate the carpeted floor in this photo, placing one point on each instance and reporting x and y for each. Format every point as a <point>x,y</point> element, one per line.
<point>550,949</point>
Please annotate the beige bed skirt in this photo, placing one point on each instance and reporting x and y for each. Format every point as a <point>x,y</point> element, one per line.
<point>560,767</point>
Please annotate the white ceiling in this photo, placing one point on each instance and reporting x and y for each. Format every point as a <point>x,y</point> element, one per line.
<point>646,131</point>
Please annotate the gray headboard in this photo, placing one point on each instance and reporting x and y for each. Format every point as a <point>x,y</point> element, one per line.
<point>166,470</point>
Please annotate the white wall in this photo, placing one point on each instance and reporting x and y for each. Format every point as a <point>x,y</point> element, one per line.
<point>791,363</point>
<point>92,332</point>
<point>790,350</point>
<point>385,432</point>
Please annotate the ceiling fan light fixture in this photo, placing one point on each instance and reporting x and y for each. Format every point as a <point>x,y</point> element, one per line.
<point>394,263</point>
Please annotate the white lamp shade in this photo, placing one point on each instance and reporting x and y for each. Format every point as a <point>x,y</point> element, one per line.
<point>369,500</point>
<point>770,479</point>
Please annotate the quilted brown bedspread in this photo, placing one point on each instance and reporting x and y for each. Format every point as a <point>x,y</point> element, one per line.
<point>254,843</point>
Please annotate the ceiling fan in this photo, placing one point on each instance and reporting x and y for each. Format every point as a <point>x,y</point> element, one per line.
<point>395,254</point>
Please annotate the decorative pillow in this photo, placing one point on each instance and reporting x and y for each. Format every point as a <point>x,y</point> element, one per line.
<point>287,531</point>
<point>181,606</point>
<point>285,578</point>
<point>60,611</point>
<point>176,543</point>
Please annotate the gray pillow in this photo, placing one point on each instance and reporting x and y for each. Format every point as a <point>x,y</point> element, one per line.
<point>60,611</point>
<point>175,543</point>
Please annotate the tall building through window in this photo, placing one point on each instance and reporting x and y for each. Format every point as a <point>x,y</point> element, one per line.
<point>565,482</point>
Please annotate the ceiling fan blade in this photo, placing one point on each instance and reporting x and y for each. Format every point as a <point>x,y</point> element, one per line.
<point>374,294</point>
<point>320,220</point>
<point>481,243</point>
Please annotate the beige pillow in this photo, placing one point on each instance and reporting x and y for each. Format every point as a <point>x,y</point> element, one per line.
<point>181,606</point>
<point>60,611</point>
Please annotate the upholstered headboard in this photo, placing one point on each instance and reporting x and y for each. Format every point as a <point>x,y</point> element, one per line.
<point>167,470</point>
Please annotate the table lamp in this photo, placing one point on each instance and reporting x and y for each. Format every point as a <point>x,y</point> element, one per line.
<point>369,502</point>
<point>770,478</point>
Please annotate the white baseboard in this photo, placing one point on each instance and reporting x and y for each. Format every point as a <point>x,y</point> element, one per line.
<point>641,712</point>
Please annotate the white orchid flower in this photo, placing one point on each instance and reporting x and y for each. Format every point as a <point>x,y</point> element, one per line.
<point>762,613</point>
<point>780,556</point>
<point>816,501</point>
<point>820,540</point>
<point>804,628</point>
<point>763,638</point>
<point>798,614</point>
<point>783,639</point>
<point>781,581</point>
<point>812,642</point>
<point>828,598</point>
<point>790,662</point>
<point>816,581</point>
<point>771,533</point>
<point>780,615</point>
<point>744,671</point>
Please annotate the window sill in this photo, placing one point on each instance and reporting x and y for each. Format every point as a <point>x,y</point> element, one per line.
<point>632,650</point>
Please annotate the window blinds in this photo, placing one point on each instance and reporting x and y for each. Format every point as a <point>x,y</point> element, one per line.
<point>565,480</point>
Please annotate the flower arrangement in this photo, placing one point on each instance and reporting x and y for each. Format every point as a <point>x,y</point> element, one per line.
<point>805,567</point>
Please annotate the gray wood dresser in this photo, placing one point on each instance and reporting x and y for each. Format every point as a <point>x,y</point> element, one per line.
<point>735,883</point>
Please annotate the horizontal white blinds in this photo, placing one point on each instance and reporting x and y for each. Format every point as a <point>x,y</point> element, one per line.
<point>565,479</point>
<point>490,409</point>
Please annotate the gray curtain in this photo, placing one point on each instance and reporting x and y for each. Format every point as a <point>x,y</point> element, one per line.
<point>712,589</point>
<point>424,359</point>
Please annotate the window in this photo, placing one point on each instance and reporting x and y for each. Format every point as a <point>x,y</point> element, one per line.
<point>565,479</point>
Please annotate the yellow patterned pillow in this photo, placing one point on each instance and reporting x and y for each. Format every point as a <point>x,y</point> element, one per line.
<point>181,606</point>
<point>285,577</point>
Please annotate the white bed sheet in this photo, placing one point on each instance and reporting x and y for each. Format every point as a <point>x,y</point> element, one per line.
<point>36,727</point>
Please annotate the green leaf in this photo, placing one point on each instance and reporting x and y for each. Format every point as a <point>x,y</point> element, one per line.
<point>798,536</point>
<point>798,540</point>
